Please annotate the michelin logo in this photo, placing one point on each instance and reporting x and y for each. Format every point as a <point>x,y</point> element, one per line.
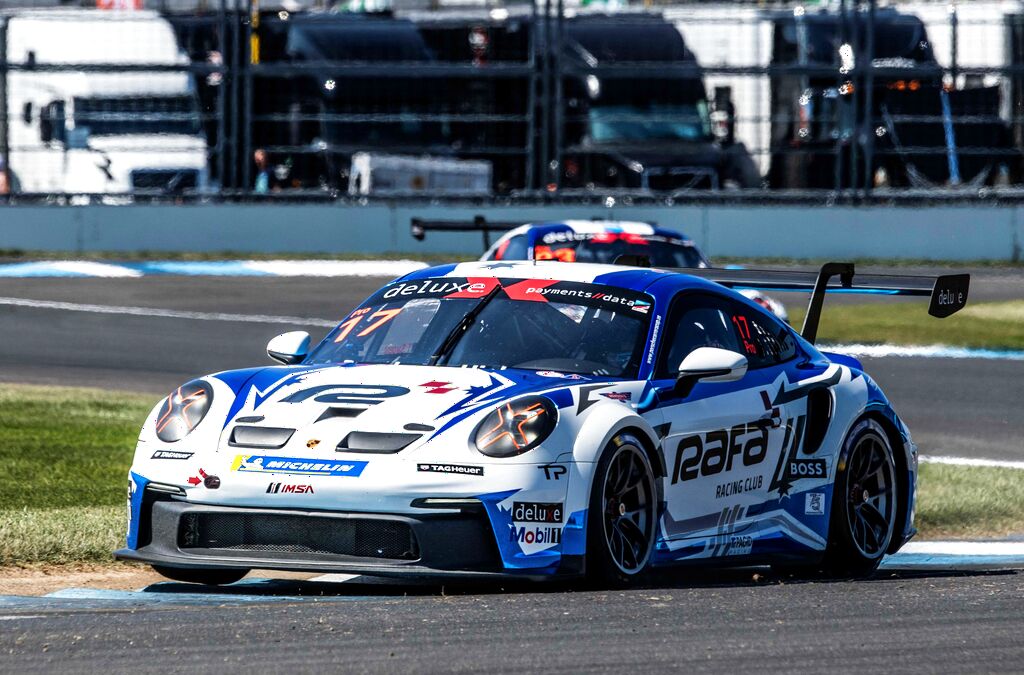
<point>296,465</point>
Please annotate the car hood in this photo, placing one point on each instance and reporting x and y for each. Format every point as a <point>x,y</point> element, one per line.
<point>292,410</point>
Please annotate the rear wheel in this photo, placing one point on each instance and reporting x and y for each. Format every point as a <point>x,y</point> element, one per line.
<point>208,577</point>
<point>864,503</point>
<point>622,519</point>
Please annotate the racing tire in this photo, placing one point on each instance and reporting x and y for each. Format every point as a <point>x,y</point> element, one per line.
<point>622,518</point>
<point>199,575</point>
<point>863,519</point>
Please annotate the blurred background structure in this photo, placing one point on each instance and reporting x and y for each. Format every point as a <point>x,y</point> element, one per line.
<point>122,101</point>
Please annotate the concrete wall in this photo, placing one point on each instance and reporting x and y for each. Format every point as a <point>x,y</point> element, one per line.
<point>969,232</point>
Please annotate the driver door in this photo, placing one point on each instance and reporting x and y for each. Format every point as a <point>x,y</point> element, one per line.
<point>722,440</point>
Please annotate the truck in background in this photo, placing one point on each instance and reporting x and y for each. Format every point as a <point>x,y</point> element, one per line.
<point>97,130</point>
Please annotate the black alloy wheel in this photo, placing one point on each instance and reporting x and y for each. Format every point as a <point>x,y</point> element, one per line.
<point>864,503</point>
<point>623,516</point>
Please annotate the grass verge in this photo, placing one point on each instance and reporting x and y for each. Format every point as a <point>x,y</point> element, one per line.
<point>988,325</point>
<point>66,454</point>
<point>962,502</point>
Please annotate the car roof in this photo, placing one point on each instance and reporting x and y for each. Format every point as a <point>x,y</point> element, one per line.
<point>633,278</point>
<point>597,227</point>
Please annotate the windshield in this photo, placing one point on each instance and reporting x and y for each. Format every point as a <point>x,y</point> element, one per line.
<point>605,247</point>
<point>654,121</point>
<point>137,115</point>
<point>532,324</point>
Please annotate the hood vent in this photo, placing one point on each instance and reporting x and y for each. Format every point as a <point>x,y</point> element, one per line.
<point>377,443</point>
<point>263,438</point>
<point>331,413</point>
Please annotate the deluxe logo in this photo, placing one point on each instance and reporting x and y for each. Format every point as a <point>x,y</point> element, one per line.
<point>435,287</point>
<point>947,297</point>
<point>171,454</point>
<point>535,535</point>
<point>288,488</point>
<point>296,465</point>
<point>536,512</point>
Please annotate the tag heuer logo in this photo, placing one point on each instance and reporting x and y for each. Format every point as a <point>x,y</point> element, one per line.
<point>312,443</point>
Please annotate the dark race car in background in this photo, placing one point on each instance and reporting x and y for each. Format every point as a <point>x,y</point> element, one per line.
<point>605,241</point>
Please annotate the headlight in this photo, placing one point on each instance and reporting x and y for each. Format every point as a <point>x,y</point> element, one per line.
<point>515,427</point>
<point>183,410</point>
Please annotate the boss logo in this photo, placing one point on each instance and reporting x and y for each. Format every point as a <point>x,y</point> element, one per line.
<point>807,468</point>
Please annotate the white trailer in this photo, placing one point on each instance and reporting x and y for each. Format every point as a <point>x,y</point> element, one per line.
<point>381,174</point>
<point>79,131</point>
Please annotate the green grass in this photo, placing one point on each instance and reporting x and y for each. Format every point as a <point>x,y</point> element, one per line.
<point>991,325</point>
<point>720,261</point>
<point>969,502</point>
<point>65,455</point>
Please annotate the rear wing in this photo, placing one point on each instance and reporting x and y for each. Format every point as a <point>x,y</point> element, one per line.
<point>419,227</point>
<point>947,293</point>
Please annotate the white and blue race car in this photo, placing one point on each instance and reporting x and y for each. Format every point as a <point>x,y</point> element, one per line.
<point>536,420</point>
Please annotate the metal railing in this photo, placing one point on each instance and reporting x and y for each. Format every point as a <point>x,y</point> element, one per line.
<point>539,101</point>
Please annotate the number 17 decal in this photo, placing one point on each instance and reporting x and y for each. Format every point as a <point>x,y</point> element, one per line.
<point>744,328</point>
<point>382,316</point>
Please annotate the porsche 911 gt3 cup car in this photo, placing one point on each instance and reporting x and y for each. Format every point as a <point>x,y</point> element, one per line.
<point>535,419</point>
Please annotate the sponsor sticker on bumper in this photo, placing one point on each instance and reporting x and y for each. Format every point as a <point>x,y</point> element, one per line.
<point>296,465</point>
<point>465,469</point>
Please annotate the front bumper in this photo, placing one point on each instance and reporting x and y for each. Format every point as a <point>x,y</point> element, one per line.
<point>458,540</point>
<point>181,534</point>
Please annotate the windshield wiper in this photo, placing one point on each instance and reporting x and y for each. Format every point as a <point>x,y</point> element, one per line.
<point>462,326</point>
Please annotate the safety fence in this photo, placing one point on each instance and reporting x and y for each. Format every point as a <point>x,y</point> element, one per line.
<point>507,103</point>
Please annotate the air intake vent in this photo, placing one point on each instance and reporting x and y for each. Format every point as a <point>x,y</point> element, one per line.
<point>263,438</point>
<point>375,442</point>
<point>331,413</point>
<point>297,534</point>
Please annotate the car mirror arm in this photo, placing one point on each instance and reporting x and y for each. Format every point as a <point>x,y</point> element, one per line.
<point>686,381</point>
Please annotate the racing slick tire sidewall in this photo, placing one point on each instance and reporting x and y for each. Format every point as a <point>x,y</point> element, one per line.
<point>601,566</point>
<point>844,556</point>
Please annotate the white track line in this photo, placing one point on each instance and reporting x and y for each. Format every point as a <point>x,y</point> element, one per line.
<point>165,313</point>
<point>971,461</point>
<point>966,548</point>
<point>923,351</point>
<point>335,268</point>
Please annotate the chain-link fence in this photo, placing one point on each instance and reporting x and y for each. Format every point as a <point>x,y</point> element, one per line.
<point>229,99</point>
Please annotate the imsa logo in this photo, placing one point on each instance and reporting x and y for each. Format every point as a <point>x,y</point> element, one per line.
<point>289,488</point>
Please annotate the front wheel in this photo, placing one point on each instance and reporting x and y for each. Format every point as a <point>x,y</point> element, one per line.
<point>199,575</point>
<point>622,520</point>
<point>864,503</point>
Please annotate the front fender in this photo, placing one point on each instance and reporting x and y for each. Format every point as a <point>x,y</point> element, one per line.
<point>601,422</point>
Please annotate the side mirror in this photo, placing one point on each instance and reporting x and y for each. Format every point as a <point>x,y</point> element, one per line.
<point>709,364</point>
<point>289,348</point>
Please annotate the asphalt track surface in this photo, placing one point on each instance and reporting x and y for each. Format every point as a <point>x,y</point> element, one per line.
<point>723,621</point>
